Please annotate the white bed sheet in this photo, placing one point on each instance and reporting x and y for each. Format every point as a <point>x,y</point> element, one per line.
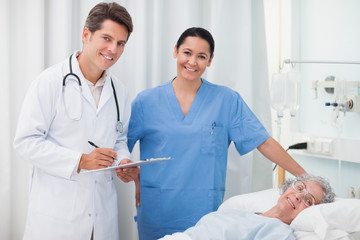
<point>332,221</point>
<point>339,220</point>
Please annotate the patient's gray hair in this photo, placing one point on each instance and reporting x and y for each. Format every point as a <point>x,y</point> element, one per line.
<point>329,196</point>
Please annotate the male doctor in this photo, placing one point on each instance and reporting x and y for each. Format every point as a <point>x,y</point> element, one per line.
<point>59,116</point>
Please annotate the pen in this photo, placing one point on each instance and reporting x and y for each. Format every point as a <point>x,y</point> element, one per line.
<point>93,144</point>
<point>96,146</point>
<point>212,129</point>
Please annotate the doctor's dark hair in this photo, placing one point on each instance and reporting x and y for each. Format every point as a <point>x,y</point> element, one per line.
<point>329,195</point>
<point>112,11</point>
<point>197,32</point>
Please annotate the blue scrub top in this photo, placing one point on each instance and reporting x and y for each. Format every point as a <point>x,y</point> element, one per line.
<point>175,194</point>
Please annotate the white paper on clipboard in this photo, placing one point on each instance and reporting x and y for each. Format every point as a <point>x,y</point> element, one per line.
<point>133,164</point>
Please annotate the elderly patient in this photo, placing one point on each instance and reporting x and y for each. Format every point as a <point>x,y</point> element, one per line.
<point>296,195</point>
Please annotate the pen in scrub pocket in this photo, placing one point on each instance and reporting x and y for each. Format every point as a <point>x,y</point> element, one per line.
<point>212,127</point>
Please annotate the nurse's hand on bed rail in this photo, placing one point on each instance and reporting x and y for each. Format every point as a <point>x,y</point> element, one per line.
<point>129,173</point>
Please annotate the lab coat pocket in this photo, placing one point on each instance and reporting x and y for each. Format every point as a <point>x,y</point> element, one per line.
<point>106,187</point>
<point>72,99</point>
<point>56,197</point>
<point>106,209</point>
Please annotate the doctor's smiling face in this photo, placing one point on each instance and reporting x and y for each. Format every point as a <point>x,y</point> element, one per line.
<point>107,29</point>
<point>103,47</point>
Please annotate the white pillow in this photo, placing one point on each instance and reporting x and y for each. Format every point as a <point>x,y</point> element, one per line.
<point>328,221</point>
<point>252,202</point>
<point>331,220</point>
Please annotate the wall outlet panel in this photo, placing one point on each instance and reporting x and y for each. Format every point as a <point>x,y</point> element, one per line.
<point>344,149</point>
<point>322,146</point>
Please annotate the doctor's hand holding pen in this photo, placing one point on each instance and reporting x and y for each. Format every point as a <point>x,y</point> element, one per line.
<point>101,158</point>
<point>98,158</point>
<point>104,157</point>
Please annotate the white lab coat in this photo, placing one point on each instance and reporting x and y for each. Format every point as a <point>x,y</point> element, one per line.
<point>62,203</point>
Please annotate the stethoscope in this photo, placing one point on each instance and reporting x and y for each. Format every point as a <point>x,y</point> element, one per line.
<point>119,125</point>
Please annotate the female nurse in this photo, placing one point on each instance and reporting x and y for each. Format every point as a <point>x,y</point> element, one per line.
<point>194,122</point>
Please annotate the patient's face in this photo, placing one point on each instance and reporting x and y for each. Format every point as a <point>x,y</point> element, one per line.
<point>291,202</point>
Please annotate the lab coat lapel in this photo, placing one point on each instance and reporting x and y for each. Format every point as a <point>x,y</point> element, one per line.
<point>106,93</point>
<point>85,88</point>
<point>86,93</point>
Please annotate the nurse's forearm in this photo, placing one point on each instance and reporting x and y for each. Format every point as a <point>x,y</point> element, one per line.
<point>137,191</point>
<point>272,150</point>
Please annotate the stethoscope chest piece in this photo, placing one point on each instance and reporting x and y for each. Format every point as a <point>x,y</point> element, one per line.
<point>119,127</point>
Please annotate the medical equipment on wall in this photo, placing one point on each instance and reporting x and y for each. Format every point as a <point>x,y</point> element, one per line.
<point>357,194</point>
<point>343,100</point>
<point>73,106</point>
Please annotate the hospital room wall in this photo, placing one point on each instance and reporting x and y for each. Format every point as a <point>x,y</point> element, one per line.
<point>326,30</point>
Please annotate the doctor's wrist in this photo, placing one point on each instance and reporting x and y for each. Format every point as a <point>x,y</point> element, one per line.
<point>81,163</point>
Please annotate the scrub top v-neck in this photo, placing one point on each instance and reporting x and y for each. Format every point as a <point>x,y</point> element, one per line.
<point>194,108</point>
<point>177,193</point>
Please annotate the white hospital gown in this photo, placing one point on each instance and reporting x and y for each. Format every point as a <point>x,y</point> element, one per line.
<point>235,224</point>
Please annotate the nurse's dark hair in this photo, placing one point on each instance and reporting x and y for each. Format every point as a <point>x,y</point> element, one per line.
<point>329,195</point>
<point>197,32</point>
<point>113,11</point>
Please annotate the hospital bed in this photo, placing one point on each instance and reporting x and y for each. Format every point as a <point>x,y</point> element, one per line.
<point>339,220</point>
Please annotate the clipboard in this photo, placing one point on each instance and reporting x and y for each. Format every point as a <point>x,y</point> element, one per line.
<point>133,164</point>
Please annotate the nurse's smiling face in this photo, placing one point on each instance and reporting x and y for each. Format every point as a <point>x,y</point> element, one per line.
<point>291,202</point>
<point>193,56</point>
